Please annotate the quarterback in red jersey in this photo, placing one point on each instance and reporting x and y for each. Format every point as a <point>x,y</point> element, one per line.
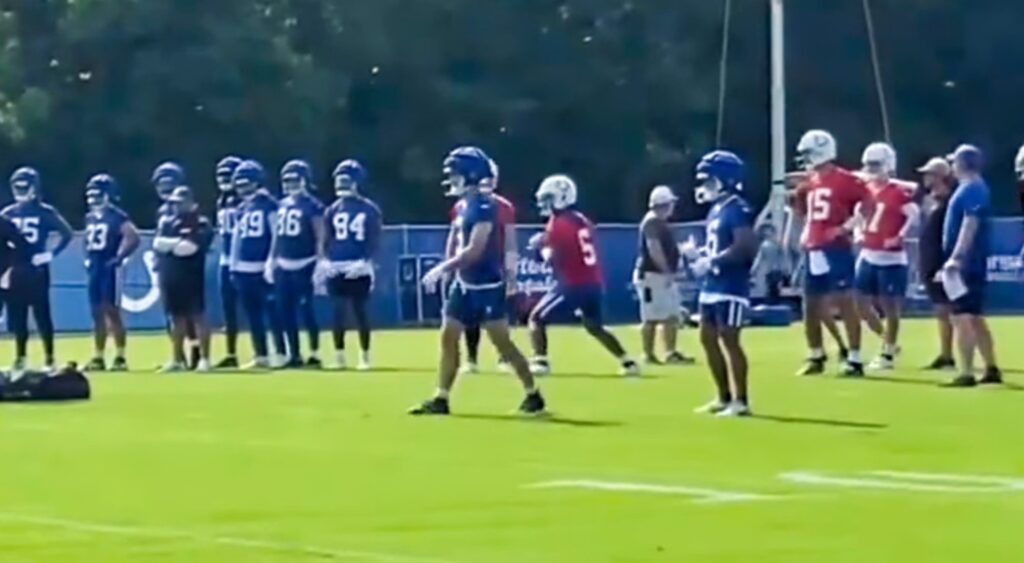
<point>828,197</point>
<point>882,269</point>
<point>568,243</point>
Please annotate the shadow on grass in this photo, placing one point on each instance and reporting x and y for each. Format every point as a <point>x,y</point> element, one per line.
<point>550,419</point>
<point>599,376</point>
<point>821,422</point>
<point>941,383</point>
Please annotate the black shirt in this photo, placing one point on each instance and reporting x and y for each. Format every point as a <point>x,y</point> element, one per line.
<point>930,254</point>
<point>14,249</point>
<point>183,269</point>
<point>657,229</point>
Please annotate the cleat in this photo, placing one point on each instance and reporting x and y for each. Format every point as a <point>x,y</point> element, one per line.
<point>532,405</point>
<point>540,368</point>
<point>257,364</point>
<point>278,361</point>
<point>18,365</point>
<point>173,367</point>
<point>882,363</point>
<point>714,407</point>
<point>120,364</point>
<point>50,367</point>
<point>941,363</point>
<point>652,361</point>
<point>679,359</point>
<point>734,409</point>
<point>229,362</point>
<point>194,356</point>
<point>852,369</point>
<point>504,367</point>
<point>314,363</point>
<point>293,363</point>
<point>96,364</point>
<point>469,368</point>
<point>630,369</point>
<point>962,381</point>
<point>814,366</point>
<point>992,377</point>
<point>340,364</point>
<point>433,407</point>
<point>363,365</point>
<point>203,366</point>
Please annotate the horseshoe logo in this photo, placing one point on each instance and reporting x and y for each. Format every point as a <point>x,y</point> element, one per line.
<point>147,301</point>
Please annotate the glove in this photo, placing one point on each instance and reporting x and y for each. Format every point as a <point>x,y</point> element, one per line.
<point>268,273</point>
<point>433,277</point>
<point>689,249</point>
<point>42,259</point>
<point>185,248</point>
<point>321,272</point>
<point>701,266</point>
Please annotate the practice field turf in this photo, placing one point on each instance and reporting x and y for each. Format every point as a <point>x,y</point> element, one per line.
<point>327,466</point>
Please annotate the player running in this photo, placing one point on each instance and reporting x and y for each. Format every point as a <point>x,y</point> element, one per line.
<point>30,280</point>
<point>882,269</point>
<point>300,235</point>
<point>110,239</point>
<point>478,295</point>
<point>251,268</point>
<point>569,244</point>
<point>828,197</point>
<point>227,215</point>
<point>724,262</point>
<point>353,224</point>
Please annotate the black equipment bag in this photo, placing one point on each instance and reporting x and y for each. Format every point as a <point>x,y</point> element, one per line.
<point>68,384</point>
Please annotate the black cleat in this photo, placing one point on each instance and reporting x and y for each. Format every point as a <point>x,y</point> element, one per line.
<point>96,364</point>
<point>992,377</point>
<point>679,359</point>
<point>120,364</point>
<point>433,407</point>
<point>962,381</point>
<point>853,369</point>
<point>941,363</point>
<point>314,363</point>
<point>814,366</point>
<point>229,362</point>
<point>533,405</point>
<point>193,358</point>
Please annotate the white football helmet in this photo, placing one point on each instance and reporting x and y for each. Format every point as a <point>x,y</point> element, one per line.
<point>1018,164</point>
<point>815,148</point>
<point>491,185</point>
<point>879,160</point>
<point>556,193</point>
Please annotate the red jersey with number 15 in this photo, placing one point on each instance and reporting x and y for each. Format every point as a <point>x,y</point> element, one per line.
<point>829,199</point>
<point>570,236</point>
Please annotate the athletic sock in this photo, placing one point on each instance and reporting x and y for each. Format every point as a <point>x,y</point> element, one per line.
<point>854,356</point>
<point>817,353</point>
<point>442,394</point>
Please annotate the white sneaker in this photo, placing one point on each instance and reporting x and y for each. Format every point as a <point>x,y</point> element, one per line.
<point>203,366</point>
<point>340,363</point>
<point>540,369</point>
<point>469,368</point>
<point>277,361</point>
<point>714,407</point>
<point>172,367</point>
<point>364,362</point>
<point>257,363</point>
<point>735,408</point>
<point>881,363</point>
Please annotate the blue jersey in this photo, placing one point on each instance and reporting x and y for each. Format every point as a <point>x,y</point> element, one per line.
<point>36,221</point>
<point>972,199</point>
<point>489,268</point>
<point>353,229</point>
<point>254,233</point>
<point>296,234</point>
<point>227,215</point>
<point>103,235</point>
<point>727,281</point>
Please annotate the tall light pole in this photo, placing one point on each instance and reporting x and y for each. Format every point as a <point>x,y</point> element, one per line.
<point>777,201</point>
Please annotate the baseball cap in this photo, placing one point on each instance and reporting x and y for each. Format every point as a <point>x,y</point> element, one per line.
<point>661,195</point>
<point>936,165</point>
<point>181,194</point>
<point>968,156</point>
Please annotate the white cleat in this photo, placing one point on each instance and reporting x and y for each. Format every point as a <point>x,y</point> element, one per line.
<point>204,366</point>
<point>540,369</point>
<point>257,364</point>
<point>881,363</point>
<point>734,409</point>
<point>364,364</point>
<point>469,368</point>
<point>630,369</point>
<point>277,361</point>
<point>714,407</point>
<point>340,363</point>
<point>173,367</point>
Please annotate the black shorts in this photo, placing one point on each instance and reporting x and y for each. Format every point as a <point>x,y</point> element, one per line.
<point>184,297</point>
<point>356,289</point>
<point>973,302</point>
<point>936,294</point>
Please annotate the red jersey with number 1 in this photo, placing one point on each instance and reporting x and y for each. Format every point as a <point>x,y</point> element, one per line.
<point>570,236</point>
<point>889,217</point>
<point>830,198</point>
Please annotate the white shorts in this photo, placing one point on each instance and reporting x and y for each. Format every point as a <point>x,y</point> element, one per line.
<point>659,297</point>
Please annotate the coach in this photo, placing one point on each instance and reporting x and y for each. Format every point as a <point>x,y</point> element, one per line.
<point>937,178</point>
<point>965,236</point>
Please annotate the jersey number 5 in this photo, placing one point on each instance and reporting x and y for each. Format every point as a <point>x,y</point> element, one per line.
<point>587,250</point>
<point>818,203</point>
<point>343,226</point>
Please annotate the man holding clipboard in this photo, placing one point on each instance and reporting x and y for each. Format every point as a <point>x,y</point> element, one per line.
<point>965,243</point>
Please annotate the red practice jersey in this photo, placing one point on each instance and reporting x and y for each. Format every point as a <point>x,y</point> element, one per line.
<point>570,236</point>
<point>882,231</point>
<point>829,199</point>
<point>506,215</point>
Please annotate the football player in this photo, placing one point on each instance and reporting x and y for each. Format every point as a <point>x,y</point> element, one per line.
<point>828,198</point>
<point>724,262</point>
<point>110,239</point>
<point>182,240</point>
<point>568,243</point>
<point>30,281</point>
<point>227,210</point>
<point>353,223</point>
<point>300,235</point>
<point>882,268</point>
<point>478,295</point>
<point>251,265</point>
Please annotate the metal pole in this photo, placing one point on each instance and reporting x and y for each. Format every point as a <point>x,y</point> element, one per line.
<point>778,117</point>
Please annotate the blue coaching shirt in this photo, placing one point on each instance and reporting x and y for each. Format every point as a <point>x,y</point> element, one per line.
<point>103,236</point>
<point>489,269</point>
<point>971,199</point>
<point>727,281</point>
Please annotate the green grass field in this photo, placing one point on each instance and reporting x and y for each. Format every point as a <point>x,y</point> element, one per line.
<point>326,466</point>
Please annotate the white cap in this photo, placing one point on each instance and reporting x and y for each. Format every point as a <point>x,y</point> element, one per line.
<point>936,165</point>
<point>661,195</point>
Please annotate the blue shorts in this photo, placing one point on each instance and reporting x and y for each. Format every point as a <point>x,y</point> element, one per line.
<point>839,276</point>
<point>881,281</point>
<point>475,307</point>
<point>724,314</point>
<point>973,302</point>
<point>564,303</point>
<point>296,283</point>
<point>104,287</point>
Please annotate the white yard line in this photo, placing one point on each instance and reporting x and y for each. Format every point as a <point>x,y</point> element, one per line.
<point>700,494</point>
<point>243,543</point>
<point>908,481</point>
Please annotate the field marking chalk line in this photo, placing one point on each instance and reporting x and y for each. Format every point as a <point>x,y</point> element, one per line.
<point>702,495</point>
